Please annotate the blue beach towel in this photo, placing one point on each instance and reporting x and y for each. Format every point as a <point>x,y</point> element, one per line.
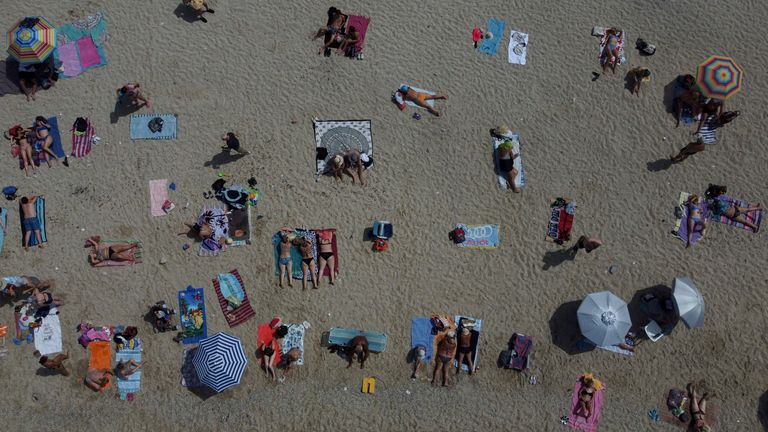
<point>4,218</point>
<point>295,253</point>
<point>192,319</point>
<point>480,236</point>
<point>421,334</point>
<point>140,127</point>
<point>377,341</point>
<point>40,210</point>
<point>496,27</point>
<point>132,383</point>
<point>475,331</point>
<point>56,135</point>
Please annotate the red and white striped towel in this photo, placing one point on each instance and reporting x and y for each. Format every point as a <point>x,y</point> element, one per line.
<point>81,144</point>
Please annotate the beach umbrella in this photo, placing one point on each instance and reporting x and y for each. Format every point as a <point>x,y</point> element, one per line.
<point>603,318</point>
<point>220,361</point>
<point>688,302</point>
<point>719,77</point>
<point>32,40</point>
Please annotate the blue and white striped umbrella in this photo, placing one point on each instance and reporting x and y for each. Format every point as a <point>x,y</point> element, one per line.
<point>220,361</point>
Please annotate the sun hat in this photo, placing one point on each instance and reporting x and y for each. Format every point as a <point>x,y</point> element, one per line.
<point>338,160</point>
<point>506,145</point>
<point>421,353</point>
<point>451,334</point>
<point>488,35</point>
<point>501,130</point>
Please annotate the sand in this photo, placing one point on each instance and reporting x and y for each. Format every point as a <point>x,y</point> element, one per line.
<point>254,69</point>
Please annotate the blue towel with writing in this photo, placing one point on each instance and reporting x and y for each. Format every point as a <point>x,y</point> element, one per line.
<point>496,27</point>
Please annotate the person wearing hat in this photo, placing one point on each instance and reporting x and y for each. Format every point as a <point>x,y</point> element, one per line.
<point>446,351</point>
<point>419,98</point>
<point>419,357</point>
<point>200,7</point>
<point>506,155</point>
<point>465,349</point>
<point>351,163</point>
<point>358,346</point>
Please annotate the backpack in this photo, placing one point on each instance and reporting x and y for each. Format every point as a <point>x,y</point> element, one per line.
<point>155,125</point>
<point>80,125</point>
<point>728,116</point>
<point>645,48</point>
<point>457,235</point>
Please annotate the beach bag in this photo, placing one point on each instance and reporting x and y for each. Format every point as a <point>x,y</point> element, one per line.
<point>10,192</point>
<point>80,126</point>
<point>281,331</point>
<point>380,245</point>
<point>645,48</point>
<point>728,117</point>
<point>155,125</point>
<point>458,235</point>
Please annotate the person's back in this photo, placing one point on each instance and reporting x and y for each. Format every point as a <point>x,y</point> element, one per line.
<point>28,207</point>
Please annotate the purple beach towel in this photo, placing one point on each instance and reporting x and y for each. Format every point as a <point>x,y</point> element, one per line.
<point>682,233</point>
<point>70,60</point>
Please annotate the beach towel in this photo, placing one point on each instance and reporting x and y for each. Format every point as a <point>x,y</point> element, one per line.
<point>576,421</point>
<point>4,219</point>
<point>360,23</point>
<point>233,299</point>
<point>295,339</point>
<point>337,136</point>
<point>622,54</point>
<point>80,44</point>
<point>449,325</point>
<point>708,132</point>
<point>189,376</point>
<point>334,248</point>
<point>521,348</point>
<point>617,350</point>
<point>755,217</point>
<point>140,127</point>
<point>496,27</point>
<point>136,256</point>
<point>265,335</point>
<point>430,102</point>
<point>518,162</point>
<point>560,220</point>
<point>100,358</point>
<point>158,194</point>
<point>239,221</point>
<point>421,334</point>
<point>475,333</point>
<point>192,319</point>
<point>48,335</point>
<point>40,211</point>
<point>298,273</point>
<point>132,383</point>
<point>216,217</point>
<point>339,336</point>
<point>518,47</point>
<point>480,236</point>
<point>56,147</point>
<point>81,143</point>
<point>681,224</point>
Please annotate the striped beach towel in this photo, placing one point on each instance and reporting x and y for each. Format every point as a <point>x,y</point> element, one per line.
<point>40,210</point>
<point>132,383</point>
<point>81,141</point>
<point>230,289</point>
<point>708,132</point>
<point>755,217</point>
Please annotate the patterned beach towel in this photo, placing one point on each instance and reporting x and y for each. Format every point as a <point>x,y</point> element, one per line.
<point>755,217</point>
<point>216,217</point>
<point>233,299</point>
<point>518,162</point>
<point>295,339</point>
<point>141,126</point>
<point>518,47</point>
<point>81,141</point>
<point>475,330</point>
<point>495,27</point>
<point>337,136</point>
<point>80,44</point>
<point>192,317</point>
<point>622,54</point>
<point>48,335</point>
<point>480,236</point>
<point>132,383</point>
<point>560,220</point>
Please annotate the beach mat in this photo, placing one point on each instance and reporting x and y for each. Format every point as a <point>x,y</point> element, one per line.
<point>265,335</point>
<point>360,23</point>
<point>81,144</point>
<point>295,339</point>
<point>484,236</point>
<point>755,217</point>
<point>189,376</point>
<point>339,336</point>
<point>40,210</point>
<point>295,253</point>
<point>560,221</point>
<point>579,422</point>
<point>216,218</point>
<point>158,193</point>
<point>496,27</point>
<point>622,52</point>
<point>618,350</point>
<point>228,285</point>
<point>421,334</point>
<point>517,38</point>
<point>131,384</point>
<point>48,335</point>
<point>430,102</point>
<point>475,333</point>
<point>681,223</point>
<point>518,163</point>
<point>336,136</point>
<point>80,44</point>
<point>192,319</point>
<point>56,147</point>
<point>4,219</point>
<point>137,254</point>
<point>240,226</point>
<point>140,127</point>
<point>100,358</point>
<point>327,270</point>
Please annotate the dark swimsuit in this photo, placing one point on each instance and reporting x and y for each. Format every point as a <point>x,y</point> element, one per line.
<point>307,261</point>
<point>507,165</point>
<point>48,298</point>
<point>326,255</point>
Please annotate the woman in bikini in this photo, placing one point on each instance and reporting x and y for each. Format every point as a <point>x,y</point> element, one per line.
<point>25,149</point>
<point>586,394</point>
<point>611,54</point>
<point>695,218</point>
<point>125,369</point>
<point>507,158</point>
<point>45,298</point>
<point>720,207</point>
<point>113,252</point>
<point>698,409</point>
<point>307,261</point>
<point>44,139</point>
<point>420,99</point>
<point>268,351</point>
<point>446,350</point>
<point>336,22</point>
<point>326,256</point>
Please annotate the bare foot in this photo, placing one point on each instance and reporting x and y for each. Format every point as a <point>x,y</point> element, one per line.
<point>516,189</point>
<point>26,248</point>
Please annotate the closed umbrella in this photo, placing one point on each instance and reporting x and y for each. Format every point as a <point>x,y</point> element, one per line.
<point>688,302</point>
<point>32,40</point>
<point>604,318</point>
<point>719,77</point>
<point>220,361</point>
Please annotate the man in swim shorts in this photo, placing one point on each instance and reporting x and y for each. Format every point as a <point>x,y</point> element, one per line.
<point>200,7</point>
<point>465,349</point>
<point>30,224</point>
<point>285,264</point>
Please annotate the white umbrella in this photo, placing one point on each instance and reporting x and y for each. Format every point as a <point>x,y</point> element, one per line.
<point>688,302</point>
<point>604,318</point>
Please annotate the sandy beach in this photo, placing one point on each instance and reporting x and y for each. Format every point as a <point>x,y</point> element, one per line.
<point>254,69</point>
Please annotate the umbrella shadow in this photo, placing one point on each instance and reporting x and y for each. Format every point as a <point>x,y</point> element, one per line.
<point>121,110</point>
<point>186,13</point>
<point>9,77</point>
<point>189,375</point>
<point>565,331</point>
<point>659,165</point>
<point>653,303</point>
<point>222,158</point>
<point>762,410</point>
<point>555,258</point>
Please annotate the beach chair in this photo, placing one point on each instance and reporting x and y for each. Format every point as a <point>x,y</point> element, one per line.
<point>654,331</point>
<point>382,229</point>
<point>521,346</point>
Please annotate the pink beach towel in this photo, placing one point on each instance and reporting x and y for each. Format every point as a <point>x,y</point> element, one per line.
<point>360,23</point>
<point>70,60</point>
<point>577,421</point>
<point>158,193</point>
<point>89,54</point>
<point>81,144</point>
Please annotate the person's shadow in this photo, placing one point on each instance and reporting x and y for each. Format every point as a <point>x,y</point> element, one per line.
<point>186,13</point>
<point>555,258</point>
<point>565,331</point>
<point>224,157</point>
<point>762,410</point>
<point>659,165</point>
<point>629,83</point>
<point>121,110</point>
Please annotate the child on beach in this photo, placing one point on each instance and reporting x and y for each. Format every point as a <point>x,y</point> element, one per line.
<point>30,222</point>
<point>358,346</point>
<point>130,94</point>
<point>233,143</point>
<point>55,363</point>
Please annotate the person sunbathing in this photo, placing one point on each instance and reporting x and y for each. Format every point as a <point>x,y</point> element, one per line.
<point>268,351</point>
<point>44,299</point>
<point>720,207</point>
<point>420,98</point>
<point>507,157</point>
<point>446,350</point>
<point>44,140</point>
<point>284,262</point>
<point>358,346</point>
<point>124,369</point>
<point>14,286</point>
<point>307,261</point>
<point>56,363</point>
<point>130,95</point>
<point>292,356</point>
<point>698,409</point>
<point>695,218</point>
<point>326,257</point>
<point>109,252</point>
<point>419,355</point>
<point>25,140</point>
<point>465,349</point>
<point>586,394</point>
<point>198,231</point>
<point>611,56</point>
<point>97,379</point>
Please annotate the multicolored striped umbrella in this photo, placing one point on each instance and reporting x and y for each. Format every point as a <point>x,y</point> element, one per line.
<point>719,77</point>
<point>220,361</point>
<point>32,40</point>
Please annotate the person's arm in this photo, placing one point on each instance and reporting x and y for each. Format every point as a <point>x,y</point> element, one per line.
<point>360,172</point>
<point>365,352</point>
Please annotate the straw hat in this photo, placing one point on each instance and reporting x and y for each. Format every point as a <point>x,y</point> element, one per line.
<point>501,130</point>
<point>338,160</point>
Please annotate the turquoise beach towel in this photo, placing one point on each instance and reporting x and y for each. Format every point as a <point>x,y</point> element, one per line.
<point>295,253</point>
<point>480,236</point>
<point>140,127</point>
<point>4,218</point>
<point>496,27</point>
<point>132,383</point>
<point>377,341</point>
<point>230,286</point>
<point>80,44</point>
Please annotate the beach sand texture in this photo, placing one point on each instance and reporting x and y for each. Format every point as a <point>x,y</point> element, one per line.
<point>254,69</point>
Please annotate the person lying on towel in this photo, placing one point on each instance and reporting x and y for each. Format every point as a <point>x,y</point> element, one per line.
<point>109,252</point>
<point>420,99</point>
<point>326,257</point>
<point>610,56</point>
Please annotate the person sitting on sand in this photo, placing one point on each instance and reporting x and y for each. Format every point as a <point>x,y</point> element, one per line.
<point>284,262</point>
<point>198,231</point>
<point>97,379</point>
<point>30,222</point>
<point>419,355</point>
<point>15,286</point>
<point>720,207</point>
<point>610,55</point>
<point>695,218</point>
<point>420,98</point>
<point>124,369</point>
<point>507,156</point>
<point>307,261</point>
<point>698,409</point>
<point>200,7</point>
<point>689,100</point>
<point>28,80</point>
<point>109,252</point>
<point>56,363</point>
<point>292,356</point>
<point>333,28</point>
<point>446,350</point>
<point>44,139</point>
<point>348,46</point>
<point>351,163</point>
<point>637,77</point>
<point>465,349</point>
<point>588,243</point>
<point>326,257</point>
<point>358,347</point>
<point>130,94</point>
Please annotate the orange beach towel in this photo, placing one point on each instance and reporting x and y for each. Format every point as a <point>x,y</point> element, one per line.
<point>101,357</point>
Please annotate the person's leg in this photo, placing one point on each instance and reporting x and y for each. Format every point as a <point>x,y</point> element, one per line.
<point>315,276</point>
<point>27,236</point>
<point>289,274</point>
<point>282,268</point>
<point>323,264</point>
<point>26,159</point>
<point>511,176</point>
<point>434,372</point>
<point>331,268</point>
<point>688,150</point>
<point>435,97</point>
<point>305,270</point>
<point>47,148</point>
<point>469,363</point>
<point>422,103</point>
<point>33,92</point>
<point>445,373</point>
<point>459,360</point>
<point>742,220</point>
<point>24,84</point>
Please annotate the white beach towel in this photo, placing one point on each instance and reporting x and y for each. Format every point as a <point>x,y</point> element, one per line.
<point>520,177</point>
<point>617,350</point>
<point>430,102</point>
<point>48,335</point>
<point>518,41</point>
